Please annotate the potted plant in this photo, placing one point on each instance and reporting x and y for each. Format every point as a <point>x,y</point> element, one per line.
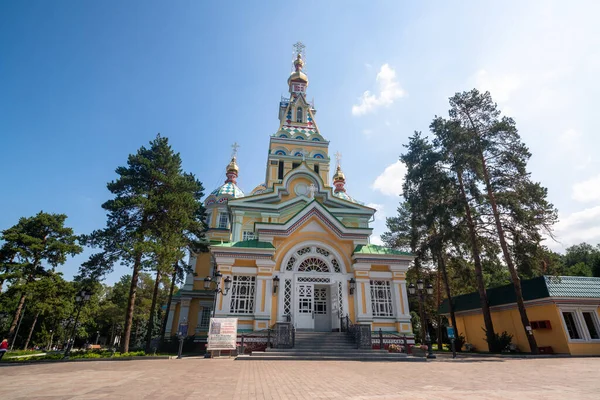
<point>419,350</point>
<point>395,348</point>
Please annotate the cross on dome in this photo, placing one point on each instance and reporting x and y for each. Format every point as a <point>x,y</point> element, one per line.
<point>304,154</point>
<point>234,148</point>
<point>338,158</point>
<point>311,190</point>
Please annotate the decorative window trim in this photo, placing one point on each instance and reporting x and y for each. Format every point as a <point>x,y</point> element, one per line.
<point>243,289</point>
<point>580,323</point>
<point>381,298</point>
<point>223,223</point>
<point>280,153</point>
<point>315,264</point>
<point>319,156</point>
<point>300,255</point>
<point>287,297</point>
<point>205,318</point>
<point>313,279</point>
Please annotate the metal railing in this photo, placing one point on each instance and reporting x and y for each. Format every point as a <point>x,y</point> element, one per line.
<point>360,334</point>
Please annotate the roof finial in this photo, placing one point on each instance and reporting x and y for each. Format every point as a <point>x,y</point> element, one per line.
<point>338,158</point>
<point>234,147</point>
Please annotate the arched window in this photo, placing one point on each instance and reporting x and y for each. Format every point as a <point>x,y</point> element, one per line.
<point>299,137</point>
<point>280,153</point>
<point>299,115</point>
<point>316,139</point>
<point>320,156</point>
<point>298,154</point>
<point>283,136</point>
<point>313,264</point>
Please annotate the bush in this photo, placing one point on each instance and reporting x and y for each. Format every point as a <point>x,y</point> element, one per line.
<point>500,342</point>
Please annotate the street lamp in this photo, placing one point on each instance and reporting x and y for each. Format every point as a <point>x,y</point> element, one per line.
<point>80,299</point>
<point>216,279</point>
<point>421,291</point>
<point>275,284</point>
<point>51,337</point>
<point>352,285</point>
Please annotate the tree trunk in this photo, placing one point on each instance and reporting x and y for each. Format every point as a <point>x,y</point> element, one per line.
<point>131,305</point>
<point>13,325</point>
<point>508,258</point>
<point>166,317</point>
<point>439,301</point>
<point>37,314</point>
<point>442,267</point>
<point>485,308</point>
<point>152,311</point>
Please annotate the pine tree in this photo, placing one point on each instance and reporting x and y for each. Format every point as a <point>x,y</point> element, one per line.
<point>36,246</point>
<point>498,158</point>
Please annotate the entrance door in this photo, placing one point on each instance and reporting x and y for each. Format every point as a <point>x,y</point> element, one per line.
<point>322,309</point>
<point>304,306</point>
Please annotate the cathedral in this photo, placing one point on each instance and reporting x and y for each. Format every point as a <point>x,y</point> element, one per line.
<point>297,247</point>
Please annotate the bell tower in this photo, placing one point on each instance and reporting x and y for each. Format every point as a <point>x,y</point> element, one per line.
<point>298,138</point>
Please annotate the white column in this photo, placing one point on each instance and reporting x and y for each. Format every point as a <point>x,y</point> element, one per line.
<point>172,307</point>
<point>260,282</point>
<point>360,315</point>
<point>396,300</point>
<point>184,310</point>
<point>236,229</point>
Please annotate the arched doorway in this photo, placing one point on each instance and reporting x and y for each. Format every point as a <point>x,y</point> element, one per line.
<point>314,288</point>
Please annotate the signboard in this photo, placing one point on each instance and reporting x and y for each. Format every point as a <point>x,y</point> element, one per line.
<point>222,334</point>
<point>450,330</point>
<point>183,329</point>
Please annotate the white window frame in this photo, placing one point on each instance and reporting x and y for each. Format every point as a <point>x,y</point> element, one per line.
<point>580,323</point>
<point>209,218</point>
<point>375,286</point>
<point>219,225</point>
<point>205,317</point>
<point>248,235</point>
<point>249,298</point>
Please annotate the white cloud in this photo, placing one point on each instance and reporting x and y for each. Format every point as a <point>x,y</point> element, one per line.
<point>367,132</point>
<point>501,87</point>
<point>587,191</point>
<point>577,227</point>
<point>389,91</point>
<point>376,239</point>
<point>368,66</point>
<point>391,180</point>
<point>380,214</point>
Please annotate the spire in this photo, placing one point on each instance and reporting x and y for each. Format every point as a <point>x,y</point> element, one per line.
<point>339,179</point>
<point>298,81</point>
<point>232,168</point>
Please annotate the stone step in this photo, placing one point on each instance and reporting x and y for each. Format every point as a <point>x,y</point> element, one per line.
<point>317,351</point>
<point>347,357</point>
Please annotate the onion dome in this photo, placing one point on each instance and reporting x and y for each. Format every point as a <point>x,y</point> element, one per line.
<point>229,189</point>
<point>339,181</point>
<point>298,75</point>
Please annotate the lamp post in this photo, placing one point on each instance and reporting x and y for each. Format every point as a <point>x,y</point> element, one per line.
<point>97,336</point>
<point>275,284</point>
<point>216,279</point>
<point>421,291</point>
<point>51,337</point>
<point>82,297</point>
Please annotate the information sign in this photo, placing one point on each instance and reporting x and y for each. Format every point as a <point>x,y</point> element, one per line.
<point>222,334</point>
<point>450,330</point>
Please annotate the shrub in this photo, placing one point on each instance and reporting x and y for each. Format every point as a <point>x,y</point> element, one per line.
<point>500,342</point>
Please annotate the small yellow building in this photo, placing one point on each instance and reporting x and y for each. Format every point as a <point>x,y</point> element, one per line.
<point>297,247</point>
<point>563,313</point>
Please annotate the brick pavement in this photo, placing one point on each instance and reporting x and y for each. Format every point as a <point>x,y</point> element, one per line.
<point>564,378</point>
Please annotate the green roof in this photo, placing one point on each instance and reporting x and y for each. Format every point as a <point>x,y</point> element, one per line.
<point>379,250</point>
<point>247,244</point>
<point>536,288</point>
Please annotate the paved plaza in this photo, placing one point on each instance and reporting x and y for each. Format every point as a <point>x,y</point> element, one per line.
<point>490,378</point>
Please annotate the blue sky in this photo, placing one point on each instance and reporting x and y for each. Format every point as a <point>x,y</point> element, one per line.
<point>84,84</point>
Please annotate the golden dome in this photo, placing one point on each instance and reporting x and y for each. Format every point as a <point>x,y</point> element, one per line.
<point>339,175</point>
<point>232,166</point>
<point>298,74</point>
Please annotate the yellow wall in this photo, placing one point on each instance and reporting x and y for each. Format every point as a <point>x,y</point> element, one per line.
<point>509,320</point>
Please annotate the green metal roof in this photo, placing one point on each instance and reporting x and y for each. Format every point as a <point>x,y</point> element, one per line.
<point>246,244</point>
<point>379,250</point>
<point>536,288</point>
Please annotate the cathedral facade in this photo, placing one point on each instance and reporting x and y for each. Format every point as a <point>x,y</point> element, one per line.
<point>297,247</point>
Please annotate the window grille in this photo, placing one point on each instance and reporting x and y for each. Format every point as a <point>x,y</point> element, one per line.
<point>313,264</point>
<point>223,221</point>
<point>205,319</point>
<point>290,264</point>
<point>299,114</point>
<point>336,265</point>
<point>304,251</point>
<point>322,252</point>
<point>381,299</point>
<point>242,294</point>
<point>287,297</point>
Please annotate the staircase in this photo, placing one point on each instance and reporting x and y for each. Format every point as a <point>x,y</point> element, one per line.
<point>326,346</point>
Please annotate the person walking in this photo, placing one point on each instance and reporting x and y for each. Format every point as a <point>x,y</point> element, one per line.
<point>3,348</point>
